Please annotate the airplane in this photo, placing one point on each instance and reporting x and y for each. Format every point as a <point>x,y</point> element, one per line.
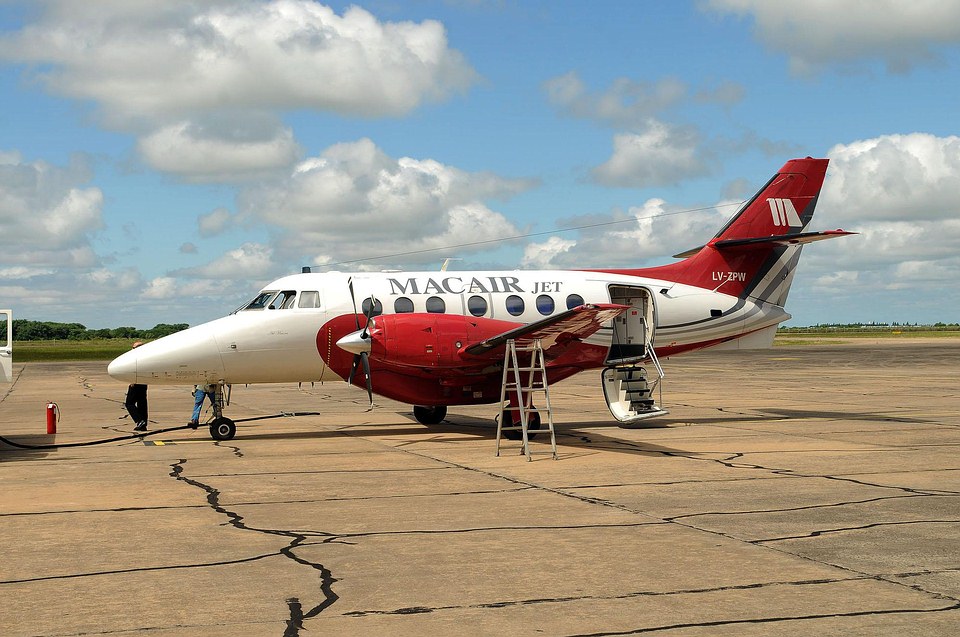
<point>436,339</point>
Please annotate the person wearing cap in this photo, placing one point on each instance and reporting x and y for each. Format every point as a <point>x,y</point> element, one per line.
<point>136,401</point>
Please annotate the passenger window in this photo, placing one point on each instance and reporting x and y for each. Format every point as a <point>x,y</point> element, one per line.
<point>435,305</point>
<point>545,304</point>
<point>377,307</point>
<point>309,299</point>
<point>477,305</point>
<point>403,305</point>
<point>514,305</point>
<point>574,300</point>
<point>262,300</point>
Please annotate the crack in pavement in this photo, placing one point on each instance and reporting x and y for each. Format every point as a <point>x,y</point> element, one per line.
<point>297,539</point>
<point>413,610</point>
<point>248,503</point>
<point>766,620</point>
<point>144,569</point>
<point>806,507</point>
<point>731,461</point>
<point>576,598</point>
<point>846,529</point>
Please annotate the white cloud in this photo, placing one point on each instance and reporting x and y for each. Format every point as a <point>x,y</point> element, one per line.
<point>893,177</point>
<point>651,231</point>
<point>355,201</point>
<point>899,193</point>
<point>163,287</point>
<point>837,282</point>
<point>201,83</point>
<point>542,256</point>
<point>165,60</point>
<point>659,156</point>
<point>213,223</point>
<point>626,104</point>
<point>187,150</point>
<point>815,33</point>
<point>74,294</point>
<point>47,216</point>
<point>249,261</point>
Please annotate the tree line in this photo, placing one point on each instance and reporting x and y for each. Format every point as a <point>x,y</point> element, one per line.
<point>26,330</point>
<point>827,327</point>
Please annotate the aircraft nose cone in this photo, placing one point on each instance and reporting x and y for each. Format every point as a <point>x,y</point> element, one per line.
<point>355,343</point>
<point>124,367</point>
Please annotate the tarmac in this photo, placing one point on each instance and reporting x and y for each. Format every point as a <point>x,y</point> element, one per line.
<point>792,491</point>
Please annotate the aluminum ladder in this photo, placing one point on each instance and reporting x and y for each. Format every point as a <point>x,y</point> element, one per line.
<point>535,374</point>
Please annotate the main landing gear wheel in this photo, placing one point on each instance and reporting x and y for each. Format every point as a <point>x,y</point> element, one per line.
<point>223,429</point>
<point>429,415</point>
<point>533,424</point>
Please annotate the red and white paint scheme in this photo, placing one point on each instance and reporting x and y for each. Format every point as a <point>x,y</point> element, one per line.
<point>436,339</point>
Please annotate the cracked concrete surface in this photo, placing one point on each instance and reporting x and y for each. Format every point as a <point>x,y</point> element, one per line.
<point>801,490</point>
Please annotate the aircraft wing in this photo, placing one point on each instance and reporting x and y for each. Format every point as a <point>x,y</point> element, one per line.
<point>560,329</point>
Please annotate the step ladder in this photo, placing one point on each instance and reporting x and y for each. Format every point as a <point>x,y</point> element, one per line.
<point>513,386</point>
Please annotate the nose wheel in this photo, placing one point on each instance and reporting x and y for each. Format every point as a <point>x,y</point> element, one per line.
<point>223,428</point>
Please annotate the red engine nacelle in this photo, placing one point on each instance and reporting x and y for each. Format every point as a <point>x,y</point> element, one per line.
<point>430,340</point>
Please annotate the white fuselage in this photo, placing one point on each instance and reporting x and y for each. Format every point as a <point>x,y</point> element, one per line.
<point>278,341</point>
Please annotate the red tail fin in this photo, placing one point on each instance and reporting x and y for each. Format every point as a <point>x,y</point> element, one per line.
<point>784,206</point>
<point>755,253</point>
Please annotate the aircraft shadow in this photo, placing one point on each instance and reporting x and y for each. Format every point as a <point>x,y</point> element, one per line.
<point>460,428</point>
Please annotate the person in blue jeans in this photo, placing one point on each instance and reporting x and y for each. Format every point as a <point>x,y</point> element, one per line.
<point>199,392</point>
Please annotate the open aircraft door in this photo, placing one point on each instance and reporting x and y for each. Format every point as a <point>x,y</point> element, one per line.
<point>633,330</point>
<point>627,387</point>
<point>6,347</point>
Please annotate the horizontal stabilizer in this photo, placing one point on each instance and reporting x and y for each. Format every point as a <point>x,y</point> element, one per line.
<point>782,240</point>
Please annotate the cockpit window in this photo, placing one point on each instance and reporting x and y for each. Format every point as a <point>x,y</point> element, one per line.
<point>284,300</point>
<point>309,299</point>
<point>263,300</point>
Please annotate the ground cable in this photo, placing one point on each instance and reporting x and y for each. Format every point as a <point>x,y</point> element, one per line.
<point>143,434</point>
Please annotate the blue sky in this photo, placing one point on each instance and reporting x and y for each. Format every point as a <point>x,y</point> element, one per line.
<point>161,161</point>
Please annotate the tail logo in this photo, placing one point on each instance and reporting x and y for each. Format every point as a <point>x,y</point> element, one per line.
<point>784,214</point>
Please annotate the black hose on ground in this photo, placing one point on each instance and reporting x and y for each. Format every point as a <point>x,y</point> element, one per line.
<point>143,434</point>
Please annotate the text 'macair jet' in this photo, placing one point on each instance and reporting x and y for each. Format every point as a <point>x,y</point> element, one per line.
<point>438,339</point>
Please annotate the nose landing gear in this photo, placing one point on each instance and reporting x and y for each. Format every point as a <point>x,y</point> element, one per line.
<point>221,428</point>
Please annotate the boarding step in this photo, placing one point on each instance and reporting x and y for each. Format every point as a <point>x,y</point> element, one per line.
<point>629,392</point>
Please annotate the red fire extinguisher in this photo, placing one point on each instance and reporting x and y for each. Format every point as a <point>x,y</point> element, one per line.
<point>53,415</point>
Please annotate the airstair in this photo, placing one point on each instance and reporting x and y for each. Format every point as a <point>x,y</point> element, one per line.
<point>629,390</point>
<point>629,387</point>
<point>524,374</point>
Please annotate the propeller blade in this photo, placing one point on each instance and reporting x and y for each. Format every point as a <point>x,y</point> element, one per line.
<point>369,316</point>
<point>353,368</point>
<point>361,358</point>
<point>353,300</point>
<point>366,371</point>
